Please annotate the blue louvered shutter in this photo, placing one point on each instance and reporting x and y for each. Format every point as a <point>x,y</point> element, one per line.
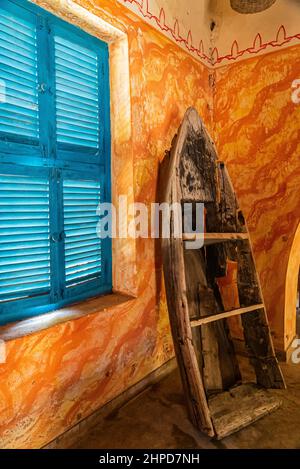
<point>80,130</point>
<point>77,94</point>
<point>24,241</point>
<point>54,151</point>
<point>82,245</point>
<point>19,114</point>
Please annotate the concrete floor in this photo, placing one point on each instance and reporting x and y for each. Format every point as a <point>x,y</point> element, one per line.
<point>157,419</point>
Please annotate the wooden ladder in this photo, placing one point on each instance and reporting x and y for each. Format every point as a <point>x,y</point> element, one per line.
<point>219,401</point>
<point>234,407</point>
<point>215,238</point>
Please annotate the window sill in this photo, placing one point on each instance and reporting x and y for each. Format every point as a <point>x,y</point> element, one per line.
<point>69,313</point>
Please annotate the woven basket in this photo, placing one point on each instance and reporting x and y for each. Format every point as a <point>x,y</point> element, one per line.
<point>251,6</point>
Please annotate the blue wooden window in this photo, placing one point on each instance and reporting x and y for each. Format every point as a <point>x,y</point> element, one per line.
<point>54,162</point>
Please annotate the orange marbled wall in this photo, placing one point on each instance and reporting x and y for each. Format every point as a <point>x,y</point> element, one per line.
<point>54,378</point>
<point>257,130</point>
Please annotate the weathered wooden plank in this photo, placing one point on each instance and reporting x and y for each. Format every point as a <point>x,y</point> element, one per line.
<point>216,262</point>
<point>176,292</point>
<point>213,347</point>
<point>197,168</point>
<point>224,315</point>
<point>181,331</point>
<point>195,274</point>
<point>228,206</point>
<point>255,325</point>
<point>214,238</point>
<point>256,328</point>
<point>233,410</point>
<point>205,355</point>
<point>210,344</point>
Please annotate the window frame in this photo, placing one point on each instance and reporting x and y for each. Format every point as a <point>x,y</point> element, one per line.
<point>48,155</point>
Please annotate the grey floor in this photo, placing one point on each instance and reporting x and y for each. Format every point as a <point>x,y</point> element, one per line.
<point>157,419</point>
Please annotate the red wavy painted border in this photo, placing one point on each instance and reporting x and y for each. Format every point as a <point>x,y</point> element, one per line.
<point>213,58</point>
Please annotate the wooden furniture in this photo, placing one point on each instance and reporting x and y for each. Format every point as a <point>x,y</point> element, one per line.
<point>201,300</point>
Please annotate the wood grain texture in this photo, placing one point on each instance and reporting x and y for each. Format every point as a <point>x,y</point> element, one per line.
<point>233,410</point>
<point>214,238</point>
<point>228,314</point>
<point>175,281</point>
<point>209,365</point>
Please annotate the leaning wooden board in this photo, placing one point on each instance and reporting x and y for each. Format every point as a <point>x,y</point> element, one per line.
<point>218,402</point>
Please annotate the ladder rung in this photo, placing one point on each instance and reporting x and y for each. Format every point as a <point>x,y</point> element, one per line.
<point>224,315</point>
<point>213,238</point>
